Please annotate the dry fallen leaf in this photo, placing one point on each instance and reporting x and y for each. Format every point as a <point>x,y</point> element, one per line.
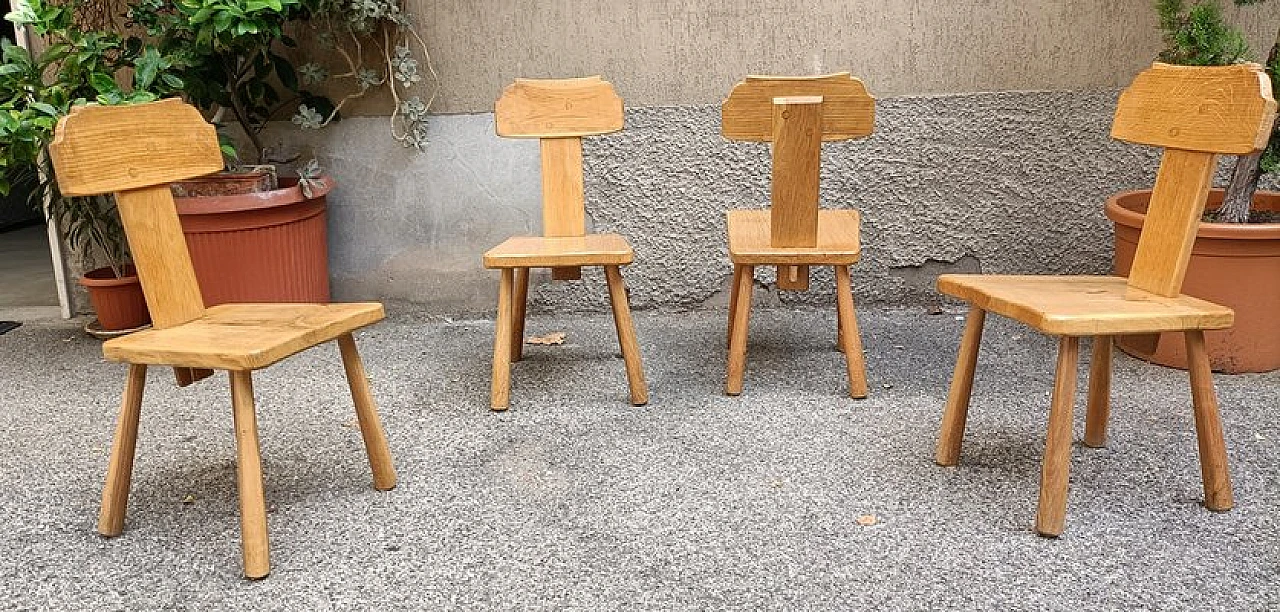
<point>189,499</point>
<point>551,338</point>
<point>868,520</point>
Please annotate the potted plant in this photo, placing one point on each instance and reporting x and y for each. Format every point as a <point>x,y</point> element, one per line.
<point>79,64</point>
<point>1236,258</point>
<point>251,239</point>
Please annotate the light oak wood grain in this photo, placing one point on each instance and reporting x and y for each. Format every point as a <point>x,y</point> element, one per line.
<point>740,320</point>
<point>253,503</point>
<point>542,108</point>
<point>956,414</point>
<point>135,151</point>
<point>1099,407</point>
<point>627,336</point>
<point>1055,474</point>
<point>797,157</point>
<point>837,242</point>
<point>1210,442</point>
<point>115,494</point>
<point>541,252</point>
<point>558,112</point>
<point>160,253</point>
<point>1169,230</point>
<point>1196,113</point>
<point>1220,109</point>
<point>116,148</point>
<point>848,110</point>
<point>243,336</point>
<point>500,387</point>
<point>375,439</point>
<point>1083,305</point>
<point>850,337</point>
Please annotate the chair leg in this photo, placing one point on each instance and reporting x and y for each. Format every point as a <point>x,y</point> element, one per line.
<point>741,320</point>
<point>500,395</point>
<point>733,303</point>
<point>1099,410</point>
<point>253,506</point>
<point>1056,471</point>
<point>627,336</point>
<point>850,338</point>
<point>375,439</point>
<point>956,413</point>
<point>115,493</point>
<point>521,295</point>
<point>1213,449</point>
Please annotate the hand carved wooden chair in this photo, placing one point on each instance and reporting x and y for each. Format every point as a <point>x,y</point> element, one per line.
<point>1194,114</point>
<point>796,114</point>
<point>135,152</point>
<point>559,113</point>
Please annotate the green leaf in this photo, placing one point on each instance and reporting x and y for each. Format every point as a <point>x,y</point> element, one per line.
<point>146,68</point>
<point>171,80</point>
<point>103,83</point>
<point>46,108</point>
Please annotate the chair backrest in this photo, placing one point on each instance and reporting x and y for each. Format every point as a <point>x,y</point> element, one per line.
<point>1195,113</point>
<point>559,112</point>
<point>797,114</point>
<point>135,152</point>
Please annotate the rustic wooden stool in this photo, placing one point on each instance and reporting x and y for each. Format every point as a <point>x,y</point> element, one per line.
<point>135,152</point>
<point>796,114</point>
<point>559,113</point>
<point>1195,114</point>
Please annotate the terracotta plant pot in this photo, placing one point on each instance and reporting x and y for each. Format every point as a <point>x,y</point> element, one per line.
<point>270,246</point>
<point>224,184</point>
<point>1235,265</point>
<point>118,302</point>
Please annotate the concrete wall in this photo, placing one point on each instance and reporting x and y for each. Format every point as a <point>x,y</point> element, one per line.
<point>998,182</point>
<point>675,52</point>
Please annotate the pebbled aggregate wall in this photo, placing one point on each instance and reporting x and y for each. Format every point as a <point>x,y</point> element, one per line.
<point>1010,182</point>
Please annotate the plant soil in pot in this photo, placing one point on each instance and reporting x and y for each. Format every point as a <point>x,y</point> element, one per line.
<point>118,301</point>
<point>270,246</point>
<point>1235,265</point>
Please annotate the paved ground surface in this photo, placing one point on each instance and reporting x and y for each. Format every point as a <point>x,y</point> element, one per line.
<point>573,499</point>
<point>26,271</point>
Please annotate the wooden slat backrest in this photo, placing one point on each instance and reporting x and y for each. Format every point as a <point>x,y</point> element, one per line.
<point>848,111</point>
<point>560,112</point>
<point>135,152</point>
<point>1195,113</point>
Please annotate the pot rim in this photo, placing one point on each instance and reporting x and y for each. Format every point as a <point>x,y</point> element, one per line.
<point>109,280</point>
<point>284,196</point>
<point>1123,215</point>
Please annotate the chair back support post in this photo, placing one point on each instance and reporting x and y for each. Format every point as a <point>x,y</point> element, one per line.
<point>559,112</point>
<point>135,152</point>
<point>797,158</point>
<point>1195,113</point>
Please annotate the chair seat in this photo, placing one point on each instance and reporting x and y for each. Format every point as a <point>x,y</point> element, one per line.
<point>548,252</point>
<point>749,240</point>
<point>243,336</point>
<point>1084,305</point>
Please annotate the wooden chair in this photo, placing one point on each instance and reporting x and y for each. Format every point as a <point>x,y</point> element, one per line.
<point>796,114</point>
<point>135,152</point>
<point>1195,114</point>
<point>559,113</point>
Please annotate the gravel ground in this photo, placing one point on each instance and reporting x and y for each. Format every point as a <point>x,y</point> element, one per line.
<point>575,499</point>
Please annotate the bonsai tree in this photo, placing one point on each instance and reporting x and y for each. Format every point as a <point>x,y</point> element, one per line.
<point>236,60</point>
<point>78,65</point>
<point>1200,36</point>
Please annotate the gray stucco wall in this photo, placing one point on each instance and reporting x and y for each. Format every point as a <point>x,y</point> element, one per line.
<point>675,52</point>
<point>1000,182</point>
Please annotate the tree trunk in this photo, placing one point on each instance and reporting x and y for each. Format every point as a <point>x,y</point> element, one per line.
<point>1239,198</point>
